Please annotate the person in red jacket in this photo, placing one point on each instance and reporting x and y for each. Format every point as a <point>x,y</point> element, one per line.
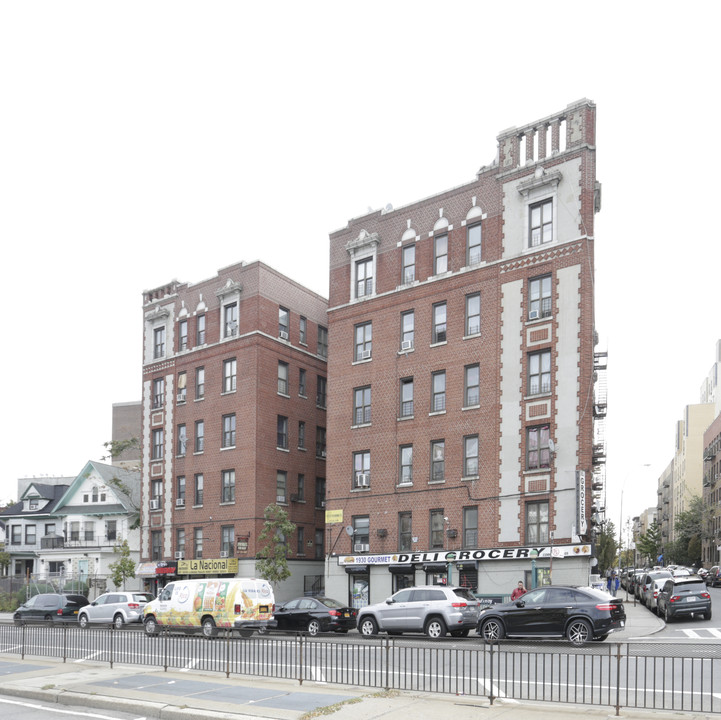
<point>518,591</point>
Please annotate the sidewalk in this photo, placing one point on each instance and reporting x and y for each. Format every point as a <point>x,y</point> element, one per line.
<point>195,695</point>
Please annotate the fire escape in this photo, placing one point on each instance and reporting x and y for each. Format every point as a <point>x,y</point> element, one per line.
<point>600,396</point>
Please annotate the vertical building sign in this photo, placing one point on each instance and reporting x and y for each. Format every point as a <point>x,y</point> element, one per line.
<point>581,502</point>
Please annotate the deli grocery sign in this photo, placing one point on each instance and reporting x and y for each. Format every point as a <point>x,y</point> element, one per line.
<point>450,556</point>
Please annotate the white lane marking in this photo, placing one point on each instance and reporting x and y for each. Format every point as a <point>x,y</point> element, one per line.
<point>493,689</point>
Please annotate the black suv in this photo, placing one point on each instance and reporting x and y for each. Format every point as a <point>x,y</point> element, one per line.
<point>50,607</point>
<point>685,595</point>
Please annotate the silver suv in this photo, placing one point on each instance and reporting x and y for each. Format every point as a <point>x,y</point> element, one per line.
<point>115,608</point>
<point>432,609</point>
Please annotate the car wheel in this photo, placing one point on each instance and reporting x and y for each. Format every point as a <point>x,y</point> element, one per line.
<point>18,620</point>
<point>368,626</point>
<point>459,633</point>
<point>492,630</point>
<point>83,622</point>
<point>667,615</point>
<point>313,628</point>
<point>579,632</point>
<point>118,622</point>
<point>707,614</point>
<point>247,632</point>
<point>435,628</point>
<point>208,627</point>
<point>48,618</point>
<point>150,626</point>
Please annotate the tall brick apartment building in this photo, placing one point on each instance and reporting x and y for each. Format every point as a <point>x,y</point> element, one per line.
<point>461,363</point>
<point>233,419</point>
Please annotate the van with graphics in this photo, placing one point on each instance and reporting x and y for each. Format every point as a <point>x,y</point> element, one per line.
<point>211,604</point>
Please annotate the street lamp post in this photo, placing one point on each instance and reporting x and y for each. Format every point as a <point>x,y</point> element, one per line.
<point>534,572</point>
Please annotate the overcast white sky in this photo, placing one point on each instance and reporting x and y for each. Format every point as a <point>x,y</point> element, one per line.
<point>146,141</point>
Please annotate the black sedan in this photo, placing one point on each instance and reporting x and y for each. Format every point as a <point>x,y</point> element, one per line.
<point>314,615</point>
<point>578,614</point>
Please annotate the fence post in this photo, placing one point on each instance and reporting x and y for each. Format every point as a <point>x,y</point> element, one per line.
<point>112,642</point>
<point>228,633</point>
<point>618,679</point>
<point>65,643</point>
<point>491,697</point>
<point>300,657</point>
<point>22,641</point>
<point>388,660</point>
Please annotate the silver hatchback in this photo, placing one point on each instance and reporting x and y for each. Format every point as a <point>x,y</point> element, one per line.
<point>115,608</point>
<point>431,609</point>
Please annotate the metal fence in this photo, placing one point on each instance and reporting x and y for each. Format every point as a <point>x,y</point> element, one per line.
<point>660,676</point>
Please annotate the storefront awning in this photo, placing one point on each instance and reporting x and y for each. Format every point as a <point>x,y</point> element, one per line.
<point>402,569</point>
<point>151,569</point>
<point>435,567</point>
<point>356,569</point>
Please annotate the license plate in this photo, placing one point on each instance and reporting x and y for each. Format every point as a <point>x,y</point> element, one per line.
<point>263,608</point>
<point>693,598</point>
<point>623,623</point>
<point>346,614</point>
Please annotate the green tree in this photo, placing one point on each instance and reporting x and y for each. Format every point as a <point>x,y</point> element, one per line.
<point>688,529</point>
<point>649,543</point>
<point>606,547</point>
<point>272,555</point>
<point>4,559</point>
<point>116,448</point>
<point>123,568</point>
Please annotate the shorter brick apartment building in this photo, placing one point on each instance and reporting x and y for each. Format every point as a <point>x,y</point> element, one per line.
<point>461,366</point>
<point>233,420</point>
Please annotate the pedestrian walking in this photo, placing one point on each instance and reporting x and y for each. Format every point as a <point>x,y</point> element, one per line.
<point>518,591</point>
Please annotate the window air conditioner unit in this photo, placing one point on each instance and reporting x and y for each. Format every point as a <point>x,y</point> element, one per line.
<point>294,498</point>
<point>180,397</point>
<point>180,502</point>
<point>361,547</point>
<point>224,553</point>
<point>365,354</point>
<point>407,345</point>
<point>179,555</point>
<point>155,504</point>
<point>283,335</point>
<point>322,453</point>
<point>533,315</point>
<point>362,480</point>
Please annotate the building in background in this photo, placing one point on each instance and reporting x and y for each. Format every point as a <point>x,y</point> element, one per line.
<point>233,420</point>
<point>461,442</point>
<point>126,428</point>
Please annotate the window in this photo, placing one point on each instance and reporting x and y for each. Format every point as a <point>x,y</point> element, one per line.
<point>230,319</point>
<point>538,453</point>
<point>281,486</point>
<point>301,487</point>
<point>322,341</point>
<point>199,436</point>
<point>94,495</point>
<point>408,330</point>
<point>283,387</point>
<point>183,335</point>
<point>470,527</point>
<point>301,435</point>
<point>300,541</point>
<point>541,223</point>
<point>30,535</point>
<point>16,535</point>
<point>159,342</point>
<point>158,392</point>
<point>438,460</point>
<point>301,382</point>
<point>362,406</point>
<point>227,540</point>
<point>320,442</point>
<point>180,540</point>
<point>364,277</point>
<point>228,435</point>
<point>362,469</point>
<point>303,330</point>
<point>405,532</point>
<point>321,392</point>
<point>539,297</point>
<point>198,496</point>
<point>438,391</point>
<point>283,323</point>
<point>405,474</point>
<point>363,341</point>
<point>157,451</point>
<point>319,545</point>
<point>471,385</point>
<point>361,534</point>
<point>282,434</point>
<point>198,542</point>
<point>406,398</point>
<point>437,529</point>
<point>539,372</point>
<point>409,263</point>
<point>227,492</point>
<point>473,314</point>
<point>473,244</point>
<point>180,489</point>
<point>182,440</point>
<point>200,330</point>
<point>74,531</point>
<point>537,522</point>
<point>156,489</point>
<point>229,375</point>
<point>440,254</point>
<point>156,542</point>
<point>182,386</point>
<point>111,529</point>
<point>320,492</point>
<point>199,383</point>
<point>470,456</point>
<point>439,323</point>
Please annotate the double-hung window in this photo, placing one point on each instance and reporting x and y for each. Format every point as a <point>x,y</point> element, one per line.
<point>436,530</point>
<point>182,386</point>
<point>198,491</point>
<point>227,540</point>
<point>362,469</point>
<point>158,393</point>
<point>320,442</point>
<point>282,434</point>
<point>536,522</point>
<point>363,341</point>
<point>406,397</point>
<point>539,297</point>
<point>182,439</point>
<point>159,342</point>
<point>199,383</point>
<point>183,335</point>
<point>230,319</point>
<point>470,527</point>
<point>303,330</point>
<point>227,486</point>
<point>438,460</point>
<point>364,277</point>
<point>405,457</point>
<point>409,263</point>
<point>407,330</point>
<point>198,542</point>
<point>472,382</point>
<point>470,456</point>
<point>283,322</point>
<point>473,244</point>
<point>361,534</point>
<point>157,451</point>
<point>199,436</point>
<point>405,532</point>
<point>322,341</point>
<point>438,391</point>
<point>440,254</point>
<point>228,434</point>
<point>538,452</point>
<point>539,372</point>
<point>229,375</point>
<point>439,323</point>
<point>180,490</point>
<point>281,486</point>
<point>473,314</point>
<point>362,405</point>
<point>321,394</point>
<point>283,378</point>
<point>541,223</point>
<point>200,330</point>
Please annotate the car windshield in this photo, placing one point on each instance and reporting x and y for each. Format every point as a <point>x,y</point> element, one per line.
<point>465,594</point>
<point>330,602</point>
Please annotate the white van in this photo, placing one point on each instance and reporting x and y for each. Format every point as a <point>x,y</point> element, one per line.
<point>242,604</point>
